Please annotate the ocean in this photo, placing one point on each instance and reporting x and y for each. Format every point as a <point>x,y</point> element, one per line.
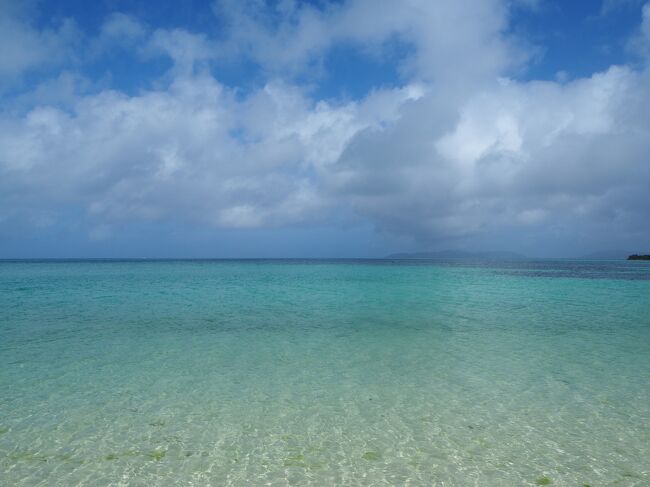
<point>324,372</point>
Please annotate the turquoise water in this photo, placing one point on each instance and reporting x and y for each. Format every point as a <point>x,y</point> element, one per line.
<point>324,373</point>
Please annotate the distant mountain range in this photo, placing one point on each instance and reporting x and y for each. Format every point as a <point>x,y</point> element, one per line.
<point>614,254</point>
<point>459,254</point>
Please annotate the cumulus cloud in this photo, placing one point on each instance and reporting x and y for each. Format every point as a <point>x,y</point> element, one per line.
<point>518,153</point>
<point>24,48</point>
<point>641,42</point>
<point>192,151</point>
<point>184,48</point>
<point>464,148</point>
<point>457,42</point>
<point>120,27</point>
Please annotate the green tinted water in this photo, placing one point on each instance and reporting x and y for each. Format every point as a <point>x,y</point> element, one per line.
<point>324,373</point>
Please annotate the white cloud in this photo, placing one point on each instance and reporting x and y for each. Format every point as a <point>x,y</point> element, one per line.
<point>24,48</point>
<point>517,152</point>
<point>193,151</point>
<point>645,28</point>
<point>184,48</point>
<point>291,36</point>
<point>639,43</point>
<point>120,27</point>
<point>463,149</point>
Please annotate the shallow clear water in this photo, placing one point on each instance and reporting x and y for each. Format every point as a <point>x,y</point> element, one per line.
<point>324,373</point>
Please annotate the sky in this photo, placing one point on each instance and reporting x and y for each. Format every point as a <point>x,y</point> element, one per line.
<point>324,128</point>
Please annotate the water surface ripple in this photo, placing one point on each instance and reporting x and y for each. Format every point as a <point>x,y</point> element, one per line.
<point>147,373</point>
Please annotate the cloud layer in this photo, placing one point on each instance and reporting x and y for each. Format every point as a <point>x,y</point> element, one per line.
<point>464,149</point>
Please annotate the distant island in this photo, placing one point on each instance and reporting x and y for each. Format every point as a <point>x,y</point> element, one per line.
<point>638,257</point>
<point>458,254</point>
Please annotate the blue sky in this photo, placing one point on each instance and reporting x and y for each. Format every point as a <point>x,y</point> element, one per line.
<point>324,129</point>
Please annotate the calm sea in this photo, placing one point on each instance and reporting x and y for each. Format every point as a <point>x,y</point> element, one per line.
<point>195,373</point>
